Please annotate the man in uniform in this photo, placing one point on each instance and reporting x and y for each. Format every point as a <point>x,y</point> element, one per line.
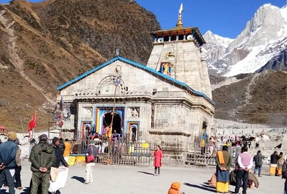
<point>42,157</point>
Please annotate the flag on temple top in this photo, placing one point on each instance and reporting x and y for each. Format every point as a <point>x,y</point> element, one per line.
<point>32,123</point>
<point>62,104</point>
<point>181,8</point>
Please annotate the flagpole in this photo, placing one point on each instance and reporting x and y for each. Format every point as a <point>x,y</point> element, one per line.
<point>35,115</point>
<point>22,125</point>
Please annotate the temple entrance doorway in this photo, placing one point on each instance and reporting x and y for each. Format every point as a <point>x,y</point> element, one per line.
<point>133,131</point>
<point>117,122</point>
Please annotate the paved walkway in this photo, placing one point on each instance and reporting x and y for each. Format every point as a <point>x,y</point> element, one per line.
<point>140,180</point>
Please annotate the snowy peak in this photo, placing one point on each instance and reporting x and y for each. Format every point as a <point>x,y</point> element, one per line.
<point>215,46</point>
<point>216,39</point>
<point>283,11</point>
<point>266,25</point>
<point>263,38</point>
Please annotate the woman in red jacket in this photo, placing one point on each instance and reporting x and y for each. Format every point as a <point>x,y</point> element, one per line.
<point>157,160</point>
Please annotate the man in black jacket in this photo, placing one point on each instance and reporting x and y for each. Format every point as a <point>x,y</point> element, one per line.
<point>273,163</point>
<point>59,158</point>
<point>62,145</point>
<point>274,158</point>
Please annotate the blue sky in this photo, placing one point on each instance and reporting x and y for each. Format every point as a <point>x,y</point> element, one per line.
<point>223,17</point>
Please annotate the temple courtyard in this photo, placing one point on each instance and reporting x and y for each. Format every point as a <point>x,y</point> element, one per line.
<point>140,180</point>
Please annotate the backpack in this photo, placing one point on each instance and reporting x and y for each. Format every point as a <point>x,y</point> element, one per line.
<point>90,156</point>
<point>284,170</point>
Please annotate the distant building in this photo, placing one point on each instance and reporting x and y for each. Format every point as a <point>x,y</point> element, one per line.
<point>168,101</point>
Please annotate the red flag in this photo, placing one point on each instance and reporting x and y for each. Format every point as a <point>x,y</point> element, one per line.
<point>32,123</point>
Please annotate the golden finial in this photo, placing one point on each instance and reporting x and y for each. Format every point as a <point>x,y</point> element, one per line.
<point>179,22</point>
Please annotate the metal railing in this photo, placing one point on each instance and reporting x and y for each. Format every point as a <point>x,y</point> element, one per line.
<point>130,153</point>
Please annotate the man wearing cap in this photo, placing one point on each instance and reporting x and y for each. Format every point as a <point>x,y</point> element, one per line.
<point>8,152</point>
<point>42,157</point>
<point>90,150</point>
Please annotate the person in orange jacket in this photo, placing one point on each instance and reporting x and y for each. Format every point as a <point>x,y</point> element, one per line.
<point>175,188</point>
<point>68,150</point>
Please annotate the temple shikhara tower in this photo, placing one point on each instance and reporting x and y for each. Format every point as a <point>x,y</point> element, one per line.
<point>167,102</point>
<point>176,53</point>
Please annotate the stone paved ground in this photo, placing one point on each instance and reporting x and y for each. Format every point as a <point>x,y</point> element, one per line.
<point>139,180</point>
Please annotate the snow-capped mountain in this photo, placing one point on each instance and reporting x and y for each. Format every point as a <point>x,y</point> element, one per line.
<point>216,39</point>
<point>264,37</point>
<point>216,46</point>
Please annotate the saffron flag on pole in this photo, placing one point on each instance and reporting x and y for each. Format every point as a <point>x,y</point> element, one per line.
<point>32,123</point>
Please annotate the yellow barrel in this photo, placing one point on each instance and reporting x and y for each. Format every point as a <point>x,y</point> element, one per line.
<point>279,173</point>
<point>71,160</point>
<point>80,158</point>
<point>272,170</point>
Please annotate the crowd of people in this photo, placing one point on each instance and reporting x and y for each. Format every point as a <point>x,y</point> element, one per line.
<point>236,141</point>
<point>242,175</point>
<point>45,160</point>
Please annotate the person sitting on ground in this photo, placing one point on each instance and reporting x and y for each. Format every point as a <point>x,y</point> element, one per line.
<point>175,188</point>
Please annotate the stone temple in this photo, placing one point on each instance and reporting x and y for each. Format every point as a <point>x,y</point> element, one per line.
<point>167,101</point>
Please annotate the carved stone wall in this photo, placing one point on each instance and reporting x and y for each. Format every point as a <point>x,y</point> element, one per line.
<point>167,114</point>
<point>187,64</point>
<point>133,112</point>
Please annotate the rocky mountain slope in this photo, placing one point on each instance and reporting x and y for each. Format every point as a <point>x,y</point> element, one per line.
<point>46,44</point>
<point>278,62</point>
<point>263,39</point>
<point>253,98</point>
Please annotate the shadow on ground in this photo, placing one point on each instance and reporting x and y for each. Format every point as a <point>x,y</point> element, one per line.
<point>26,190</point>
<point>202,187</point>
<point>80,179</point>
<point>143,172</point>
